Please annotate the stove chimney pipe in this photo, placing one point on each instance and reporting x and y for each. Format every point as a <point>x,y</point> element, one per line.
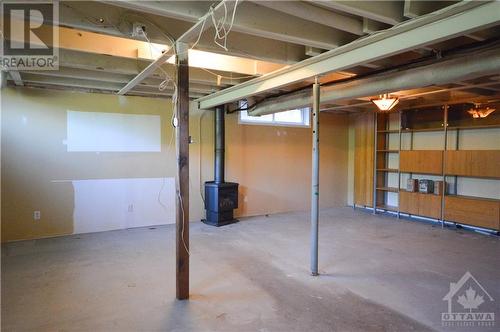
<point>219,144</point>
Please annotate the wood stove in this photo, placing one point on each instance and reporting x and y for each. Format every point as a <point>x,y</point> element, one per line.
<point>220,201</point>
<point>221,197</point>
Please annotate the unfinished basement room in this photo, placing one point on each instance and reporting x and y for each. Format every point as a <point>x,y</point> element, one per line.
<point>238,166</point>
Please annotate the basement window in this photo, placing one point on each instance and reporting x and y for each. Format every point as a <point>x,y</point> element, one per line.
<point>293,118</point>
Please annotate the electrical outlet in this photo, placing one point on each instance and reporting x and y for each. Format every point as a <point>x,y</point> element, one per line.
<point>131,208</point>
<point>37,215</point>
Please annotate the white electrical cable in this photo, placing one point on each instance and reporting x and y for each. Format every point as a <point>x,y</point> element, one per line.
<point>221,31</point>
<point>201,33</point>
<point>182,230</point>
<point>164,84</point>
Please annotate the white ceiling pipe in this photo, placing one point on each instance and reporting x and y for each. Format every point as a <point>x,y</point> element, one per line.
<point>466,67</point>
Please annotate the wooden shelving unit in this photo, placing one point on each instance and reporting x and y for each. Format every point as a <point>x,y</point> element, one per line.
<point>421,161</point>
<point>482,212</point>
<point>384,152</point>
<point>389,170</point>
<point>474,127</point>
<point>387,207</point>
<point>389,131</point>
<point>408,130</point>
<point>443,163</point>
<point>389,189</point>
<point>473,163</point>
<point>415,203</point>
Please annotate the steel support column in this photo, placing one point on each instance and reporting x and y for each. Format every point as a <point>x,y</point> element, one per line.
<point>315,179</point>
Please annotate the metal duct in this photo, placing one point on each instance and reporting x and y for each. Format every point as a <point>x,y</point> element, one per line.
<point>219,145</point>
<point>470,66</point>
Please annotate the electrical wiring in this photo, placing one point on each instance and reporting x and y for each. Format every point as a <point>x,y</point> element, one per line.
<point>173,121</point>
<point>199,35</point>
<point>244,107</point>
<point>178,191</point>
<point>221,31</point>
<point>164,84</point>
<point>219,25</point>
<point>182,230</point>
<point>141,19</point>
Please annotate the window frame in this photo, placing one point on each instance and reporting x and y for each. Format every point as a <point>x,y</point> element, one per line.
<point>306,119</point>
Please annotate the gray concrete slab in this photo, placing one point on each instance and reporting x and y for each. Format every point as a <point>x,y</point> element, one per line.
<point>377,274</point>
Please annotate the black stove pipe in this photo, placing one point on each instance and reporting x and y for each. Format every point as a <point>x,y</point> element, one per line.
<point>219,145</point>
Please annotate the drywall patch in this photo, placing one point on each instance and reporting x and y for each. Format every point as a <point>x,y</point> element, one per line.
<point>108,204</point>
<point>112,132</point>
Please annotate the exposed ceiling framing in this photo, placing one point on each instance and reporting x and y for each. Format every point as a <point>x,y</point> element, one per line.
<point>279,32</point>
<point>454,21</point>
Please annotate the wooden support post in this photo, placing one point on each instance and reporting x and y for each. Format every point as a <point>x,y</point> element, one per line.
<point>182,146</point>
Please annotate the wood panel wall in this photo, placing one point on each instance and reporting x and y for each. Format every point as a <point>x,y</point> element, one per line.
<point>363,159</point>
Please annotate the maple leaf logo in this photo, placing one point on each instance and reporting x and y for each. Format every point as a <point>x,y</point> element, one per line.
<point>470,300</point>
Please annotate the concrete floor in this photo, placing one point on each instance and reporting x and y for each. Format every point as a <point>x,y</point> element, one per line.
<point>377,273</point>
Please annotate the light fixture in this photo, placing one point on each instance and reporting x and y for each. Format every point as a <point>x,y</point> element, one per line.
<point>479,112</point>
<point>385,103</point>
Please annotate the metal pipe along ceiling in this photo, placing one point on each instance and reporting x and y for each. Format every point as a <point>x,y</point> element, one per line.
<point>467,67</point>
